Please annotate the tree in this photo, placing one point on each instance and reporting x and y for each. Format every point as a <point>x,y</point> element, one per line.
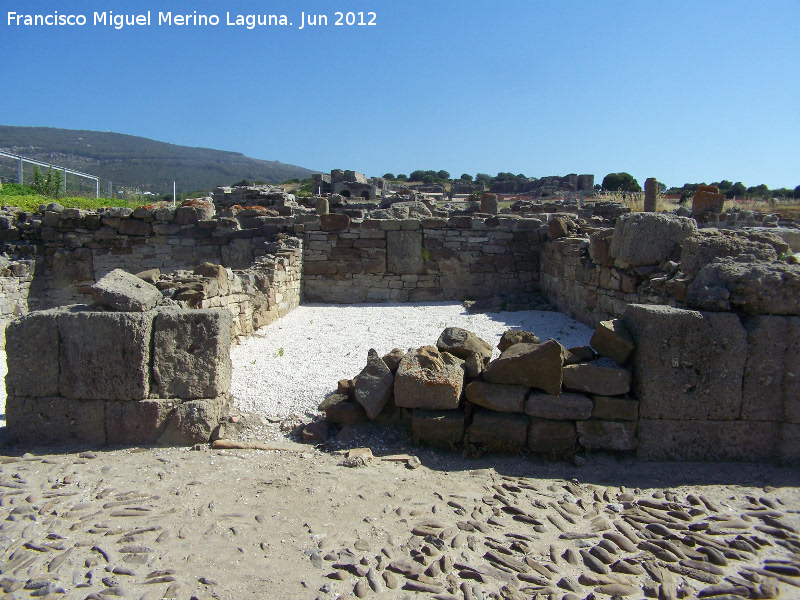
<point>402,177</point>
<point>620,182</point>
<point>468,177</point>
<point>428,179</point>
<point>797,192</point>
<point>662,187</point>
<point>388,176</point>
<point>443,174</point>
<point>737,189</point>
<point>48,185</point>
<point>761,191</point>
<point>483,178</point>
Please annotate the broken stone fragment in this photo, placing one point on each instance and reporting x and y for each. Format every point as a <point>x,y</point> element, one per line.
<point>497,396</point>
<point>125,292</point>
<point>603,377</point>
<point>612,340</point>
<point>516,336</point>
<point>374,385</point>
<point>462,343</point>
<point>532,365</point>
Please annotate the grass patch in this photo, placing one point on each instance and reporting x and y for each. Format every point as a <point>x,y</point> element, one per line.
<point>31,203</point>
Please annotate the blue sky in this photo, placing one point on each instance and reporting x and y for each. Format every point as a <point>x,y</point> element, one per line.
<point>684,91</point>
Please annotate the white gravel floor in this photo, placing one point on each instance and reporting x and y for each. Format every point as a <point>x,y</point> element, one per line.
<point>288,367</point>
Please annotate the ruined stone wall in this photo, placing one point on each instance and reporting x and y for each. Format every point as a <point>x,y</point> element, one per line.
<point>413,260</point>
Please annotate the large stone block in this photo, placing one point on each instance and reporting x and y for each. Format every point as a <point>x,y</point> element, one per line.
<point>374,385</point>
<point>498,432</point>
<point>125,292</point>
<point>566,407</point>
<point>604,377</point>
<point>765,369</point>
<point>137,421</point>
<point>532,365</point>
<point>55,421</point>
<point>789,443</point>
<point>607,435</point>
<point>32,355</point>
<point>238,254</point>
<point>443,428</point>
<point>427,378</point>
<point>648,238</point>
<point>615,409</point>
<point>557,437</point>
<point>497,396</point>
<point>404,252</point>
<point>463,343</point>
<point>192,353</point>
<point>686,363</point>
<point>664,439</point>
<point>193,422</point>
<point>105,355</point>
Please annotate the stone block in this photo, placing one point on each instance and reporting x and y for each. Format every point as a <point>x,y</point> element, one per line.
<point>566,407</point>
<point>442,428</point>
<point>497,396</point>
<point>604,377</point>
<point>427,378</point>
<point>707,199</point>
<point>498,432</point>
<point>374,385</point>
<point>32,355</point>
<point>192,353</point>
<point>607,435</point>
<point>552,437</point>
<point>516,336</point>
<point>789,443</point>
<point>648,238</point>
<point>404,252</point>
<point>334,222</point>
<point>134,227</point>
<point>125,292</point>
<point>339,409</point>
<point>463,343</point>
<point>615,409</point>
<point>686,362</point>
<point>704,440</point>
<point>137,422</point>
<point>765,369</point>
<point>217,273</point>
<point>193,422</point>
<point>55,421</point>
<point>105,355</point>
<point>237,254</point>
<point>612,340</point>
<point>532,365</point>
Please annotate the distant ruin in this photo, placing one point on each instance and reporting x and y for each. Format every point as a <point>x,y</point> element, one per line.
<point>348,184</point>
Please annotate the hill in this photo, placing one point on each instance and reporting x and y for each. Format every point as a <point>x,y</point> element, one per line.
<point>136,162</point>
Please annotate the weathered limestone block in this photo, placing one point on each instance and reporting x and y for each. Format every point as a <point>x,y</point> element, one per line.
<point>532,365</point>
<point>607,435</point>
<point>648,238</point>
<point>751,287</point>
<point>443,428</point>
<point>489,204</point>
<point>137,421</point>
<point>134,227</point>
<point>789,443</point>
<point>612,340</point>
<point>74,265</point>
<point>707,199</point>
<point>334,222</point>
<point>497,396</point>
<point>556,437</point>
<point>566,407</point>
<point>704,440</point>
<point>427,378</point>
<point>193,422</point>
<point>237,254</point>
<point>125,292</point>
<point>55,420</point>
<point>404,252</point>
<point>498,432</point>
<point>709,244</point>
<point>374,385</point>
<point>615,409</point>
<point>32,355</point>
<point>686,363</point>
<point>194,212</point>
<point>192,353</point>
<point>650,194</point>
<point>105,355</point>
<point>599,245</point>
<point>463,343</point>
<point>601,376</point>
<point>516,336</point>
<point>322,207</point>
<point>393,359</point>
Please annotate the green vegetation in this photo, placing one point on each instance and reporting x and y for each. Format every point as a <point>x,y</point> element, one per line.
<point>47,185</point>
<point>738,190</point>
<point>620,182</point>
<point>136,162</point>
<point>26,198</point>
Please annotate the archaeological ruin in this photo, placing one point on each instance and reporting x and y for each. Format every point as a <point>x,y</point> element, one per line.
<point>128,315</point>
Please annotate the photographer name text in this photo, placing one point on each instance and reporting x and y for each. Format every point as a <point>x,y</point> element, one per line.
<point>118,21</point>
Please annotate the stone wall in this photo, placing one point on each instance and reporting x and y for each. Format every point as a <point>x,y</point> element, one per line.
<point>429,259</point>
<point>158,376</point>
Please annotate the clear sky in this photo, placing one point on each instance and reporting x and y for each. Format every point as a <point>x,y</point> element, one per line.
<point>685,91</point>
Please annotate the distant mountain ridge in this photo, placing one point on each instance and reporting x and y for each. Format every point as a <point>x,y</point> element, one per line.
<point>136,162</point>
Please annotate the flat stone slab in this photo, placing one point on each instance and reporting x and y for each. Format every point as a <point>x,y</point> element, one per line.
<point>615,409</point>
<point>566,407</point>
<point>498,432</point>
<point>612,340</point>
<point>607,435</point>
<point>55,420</point>
<point>604,377</point>
<point>497,396</point>
<point>533,365</point>
<point>125,292</point>
<point>551,436</point>
<point>32,347</point>
<point>442,428</point>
